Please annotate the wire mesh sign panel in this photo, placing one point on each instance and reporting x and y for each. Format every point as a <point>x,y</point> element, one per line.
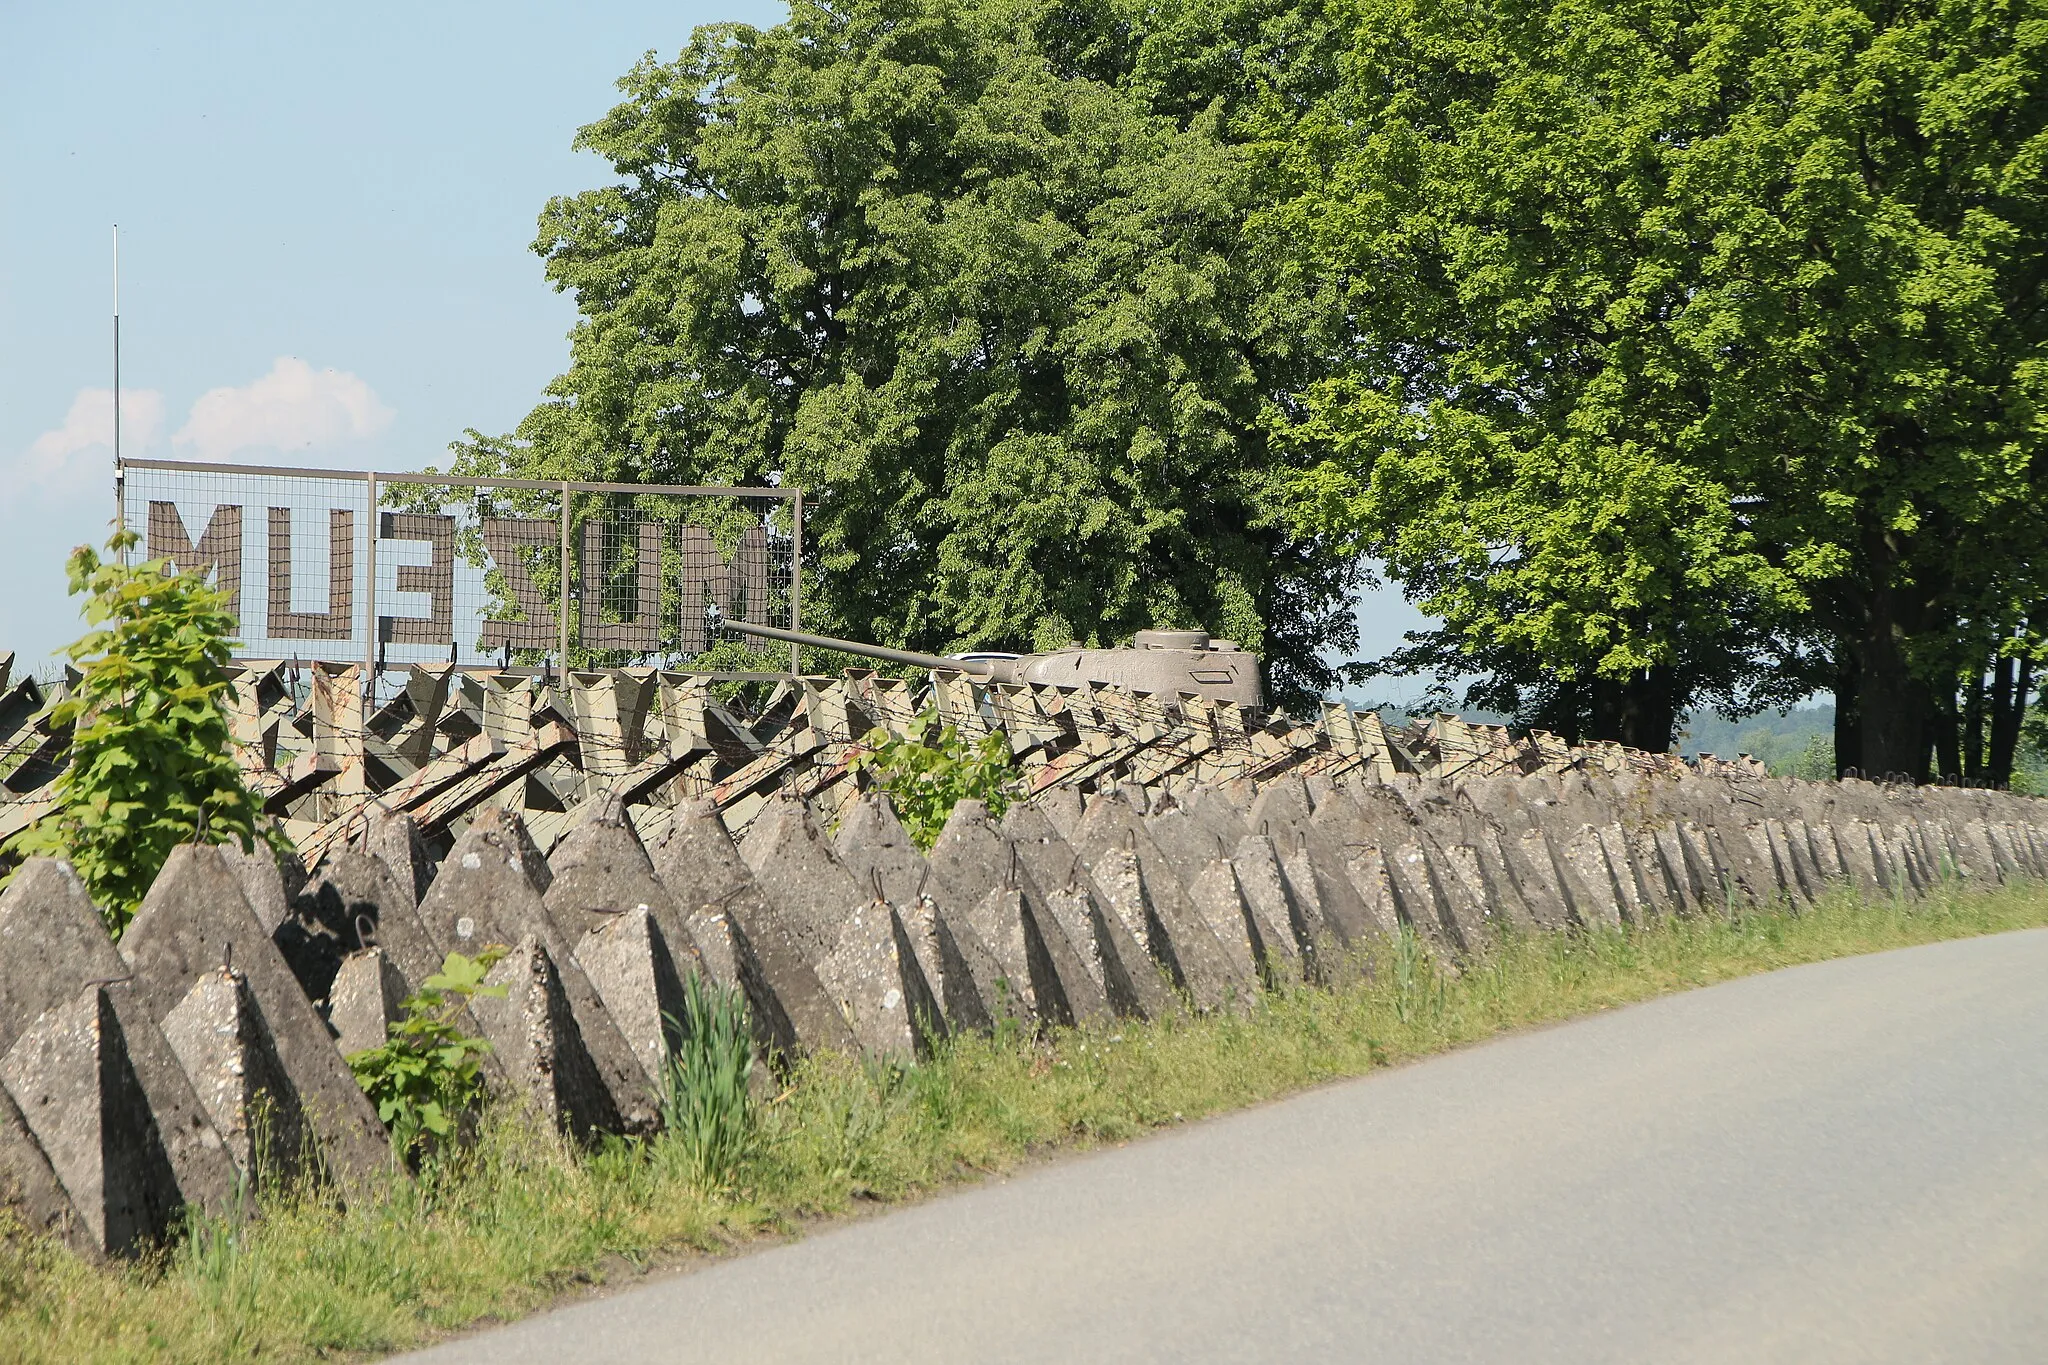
<point>395,569</point>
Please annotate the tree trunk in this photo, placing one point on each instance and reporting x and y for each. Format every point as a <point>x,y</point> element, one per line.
<point>2009,708</point>
<point>1848,711</point>
<point>1948,753</point>
<point>1973,728</point>
<point>1640,710</point>
<point>1892,704</point>
<point>1560,714</point>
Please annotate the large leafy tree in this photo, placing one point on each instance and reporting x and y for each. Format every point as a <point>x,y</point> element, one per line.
<point>1693,350</point>
<point>974,275</point>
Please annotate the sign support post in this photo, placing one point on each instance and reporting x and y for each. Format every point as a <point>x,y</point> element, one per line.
<point>796,580</point>
<point>563,613</point>
<point>370,598</point>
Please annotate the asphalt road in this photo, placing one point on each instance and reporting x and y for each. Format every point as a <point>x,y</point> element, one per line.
<point>1843,1162</point>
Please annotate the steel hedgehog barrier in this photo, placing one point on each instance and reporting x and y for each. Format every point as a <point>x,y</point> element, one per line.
<point>1156,868</point>
<point>450,741</point>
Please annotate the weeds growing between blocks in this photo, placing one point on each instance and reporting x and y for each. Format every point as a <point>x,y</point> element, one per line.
<point>523,1217</point>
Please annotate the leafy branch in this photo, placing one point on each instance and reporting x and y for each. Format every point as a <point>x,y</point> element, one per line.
<point>428,1074</point>
<point>933,768</point>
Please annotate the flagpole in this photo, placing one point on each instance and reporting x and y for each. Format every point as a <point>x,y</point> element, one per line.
<point>120,503</point>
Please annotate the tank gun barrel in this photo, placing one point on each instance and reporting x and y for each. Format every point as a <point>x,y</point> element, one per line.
<point>973,668</point>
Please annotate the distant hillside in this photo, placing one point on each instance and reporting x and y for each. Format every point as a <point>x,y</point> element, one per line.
<point>1779,739</point>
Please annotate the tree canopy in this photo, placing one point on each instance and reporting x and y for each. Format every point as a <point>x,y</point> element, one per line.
<point>1671,354</point>
<point>973,275</point>
<point>1691,351</point>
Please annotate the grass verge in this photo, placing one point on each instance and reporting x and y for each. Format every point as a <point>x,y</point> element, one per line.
<point>524,1218</point>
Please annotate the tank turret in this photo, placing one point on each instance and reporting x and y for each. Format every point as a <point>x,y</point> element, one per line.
<point>1162,661</point>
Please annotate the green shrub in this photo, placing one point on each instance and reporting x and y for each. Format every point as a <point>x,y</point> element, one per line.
<point>928,772</point>
<point>705,1107</point>
<point>1816,762</point>
<point>427,1077</point>
<point>151,764</point>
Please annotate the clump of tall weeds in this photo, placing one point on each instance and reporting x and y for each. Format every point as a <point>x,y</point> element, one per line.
<point>706,1104</point>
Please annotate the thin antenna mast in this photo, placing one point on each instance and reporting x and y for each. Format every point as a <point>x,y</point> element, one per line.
<point>120,502</point>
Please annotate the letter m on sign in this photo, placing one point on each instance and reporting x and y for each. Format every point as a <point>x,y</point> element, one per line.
<point>219,549</point>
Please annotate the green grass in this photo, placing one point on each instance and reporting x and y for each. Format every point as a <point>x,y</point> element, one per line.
<point>525,1218</point>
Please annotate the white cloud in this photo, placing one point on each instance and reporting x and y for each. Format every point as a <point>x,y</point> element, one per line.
<point>294,407</point>
<point>67,455</point>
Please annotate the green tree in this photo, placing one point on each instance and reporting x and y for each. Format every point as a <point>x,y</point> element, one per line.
<point>973,274</point>
<point>150,762</point>
<point>1695,350</point>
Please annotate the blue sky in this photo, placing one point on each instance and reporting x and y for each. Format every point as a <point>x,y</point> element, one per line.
<point>325,217</point>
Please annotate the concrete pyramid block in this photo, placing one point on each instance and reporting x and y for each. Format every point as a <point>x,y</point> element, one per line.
<point>1187,844</point>
<point>368,997</point>
<point>1937,850</point>
<point>1465,899</point>
<point>602,871</point>
<point>357,901</point>
<point>1533,864</point>
<point>1721,892</point>
<point>1589,878</point>
<point>2030,839</point>
<point>627,959</point>
<point>1484,860</point>
<point>1064,807</point>
<point>1979,857</point>
<point>880,986</point>
<point>192,921</point>
<point>30,1190</point>
<point>394,837</point>
<point>1130,979</point>
<point>1477,905</point>
<point>970,995</point>
<point>1214,810</point>
<point>1681,870</point>
<point>1187,950</point>
<point>539,1044</point>
<point>733,923</point>
<point>52,941</point>
<point>1153,904</point>
<point>1860,856</point>
<point>485,895</point>
<point>1910,877</point>
<point>1764,856</point>
<point>1369,874</point>
<point>269,879</point>
<point>70,1076</point>
<point>1819,841</point>
<point>53,945</point>
<point>969,859</point>
<point>1041,973</point>
<point>798,872</point>
<point>225,1049</point>
<point>1796,870</point>
<point>1218,900</point>
<point>1632,887</point>
<point>1417,896</point>
<point>1282,806</point>
<point>1072,905</point>
<point>878,851</point>
<point>1326,848</point>
<point>1282,929</point>
<point>2013,848</point>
